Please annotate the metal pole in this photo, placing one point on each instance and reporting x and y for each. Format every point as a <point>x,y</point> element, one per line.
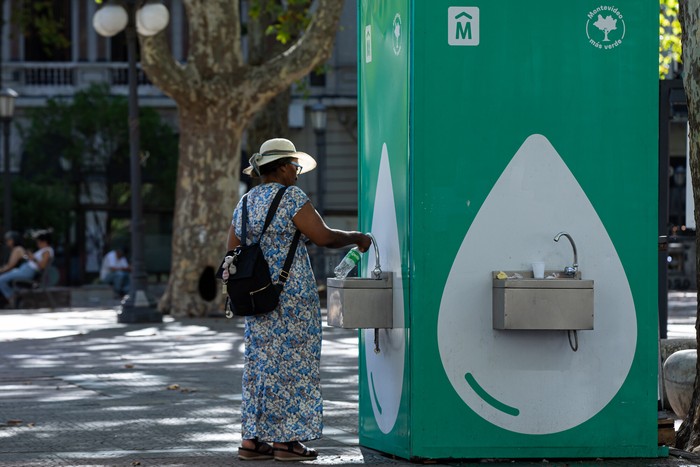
<point>321,191</point>
<point>138,306</point>
<point>7,176</point>
<point>665,87</point>
<point>321,171</point>
<point>6,180</point>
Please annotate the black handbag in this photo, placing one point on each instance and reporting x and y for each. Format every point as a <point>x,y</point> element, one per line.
<point>249,287</point>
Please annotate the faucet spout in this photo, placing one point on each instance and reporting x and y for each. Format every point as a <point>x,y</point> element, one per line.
<point>569,270</point>
<point>377,267</point>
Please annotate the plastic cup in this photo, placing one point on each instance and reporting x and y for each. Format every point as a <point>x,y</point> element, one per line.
<point>538,269</point>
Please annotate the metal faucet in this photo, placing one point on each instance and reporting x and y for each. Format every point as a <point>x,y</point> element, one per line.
<point>377,275</point>
<point>377,268</point>
<point>569,270</point>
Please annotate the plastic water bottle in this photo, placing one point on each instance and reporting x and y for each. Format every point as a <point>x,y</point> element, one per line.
<point>347,264</point>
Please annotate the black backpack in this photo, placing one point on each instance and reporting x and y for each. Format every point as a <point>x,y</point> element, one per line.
<point>250,288</point>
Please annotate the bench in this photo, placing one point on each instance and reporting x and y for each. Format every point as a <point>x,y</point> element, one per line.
<point>43,285</point>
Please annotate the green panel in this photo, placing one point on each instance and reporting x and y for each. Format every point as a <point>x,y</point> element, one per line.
<point>534,72</point>
<point>384,210</point>
<point>538,124</point>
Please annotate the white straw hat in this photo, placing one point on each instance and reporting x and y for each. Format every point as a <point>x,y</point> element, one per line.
<point>278,148</point>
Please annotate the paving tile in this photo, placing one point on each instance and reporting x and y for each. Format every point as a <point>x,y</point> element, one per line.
<point>78,389</point>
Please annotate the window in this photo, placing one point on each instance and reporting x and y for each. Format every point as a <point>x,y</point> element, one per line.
<point>48,30</point>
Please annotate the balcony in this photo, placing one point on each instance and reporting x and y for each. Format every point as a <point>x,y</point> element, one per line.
<point>50,79</point>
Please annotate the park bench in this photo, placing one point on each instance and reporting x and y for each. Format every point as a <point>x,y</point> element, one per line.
<point>41,290</point>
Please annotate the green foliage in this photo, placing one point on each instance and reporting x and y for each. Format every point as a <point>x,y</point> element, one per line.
<point>669,37</point>
<point>38,17</point>
<point>87,139</point>
<point>40,206</point>
<point>290,18</point>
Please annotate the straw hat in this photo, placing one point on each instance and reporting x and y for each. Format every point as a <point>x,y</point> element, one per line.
<point>278,148</point>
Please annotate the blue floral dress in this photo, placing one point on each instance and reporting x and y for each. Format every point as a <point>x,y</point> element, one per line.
<point>281,374</point>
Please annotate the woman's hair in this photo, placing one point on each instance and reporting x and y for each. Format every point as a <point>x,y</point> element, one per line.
<point>274,165</point>
<point>15,237</point>
<point>44,236</point>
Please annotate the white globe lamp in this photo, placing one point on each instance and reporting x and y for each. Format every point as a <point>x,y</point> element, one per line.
<point>151,19</point>
<point>110,20</point>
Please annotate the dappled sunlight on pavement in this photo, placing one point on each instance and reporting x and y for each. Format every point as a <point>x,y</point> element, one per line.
<point>78,389</point>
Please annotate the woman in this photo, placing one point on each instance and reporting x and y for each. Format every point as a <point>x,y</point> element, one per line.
<point>33,264</point>
<point>282,401</point>
<point>13,240</point>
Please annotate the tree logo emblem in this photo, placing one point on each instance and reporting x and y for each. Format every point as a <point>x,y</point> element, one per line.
<point>605,27</point>
<point>396,33</point>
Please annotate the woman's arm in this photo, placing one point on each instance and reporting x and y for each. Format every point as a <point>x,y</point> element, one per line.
<point>16,254</point>
<point>232,241</point>
<point>309,221</point>
<point>44,261</point>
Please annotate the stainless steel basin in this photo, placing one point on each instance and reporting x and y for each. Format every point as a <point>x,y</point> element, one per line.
<point>560,302</point>
<point>359,302</point>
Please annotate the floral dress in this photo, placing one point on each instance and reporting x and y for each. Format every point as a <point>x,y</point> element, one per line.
<point>281,374</point>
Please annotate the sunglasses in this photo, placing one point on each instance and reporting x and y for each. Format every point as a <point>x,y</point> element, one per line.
<point>299,168</point>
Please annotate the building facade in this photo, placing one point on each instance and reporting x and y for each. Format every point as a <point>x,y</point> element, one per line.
<point>38,74</point>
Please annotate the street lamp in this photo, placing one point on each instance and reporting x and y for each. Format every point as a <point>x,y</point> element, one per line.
<point>7,111</point>
<point>319,121</point>
<point>149,19</point>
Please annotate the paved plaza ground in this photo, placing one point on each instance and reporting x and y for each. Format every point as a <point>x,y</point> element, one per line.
<point>78,389</point>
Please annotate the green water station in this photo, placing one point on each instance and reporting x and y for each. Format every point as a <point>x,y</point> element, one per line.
<point>486,131</point>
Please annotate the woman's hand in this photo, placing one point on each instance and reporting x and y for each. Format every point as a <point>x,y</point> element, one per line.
<point>363,242</point>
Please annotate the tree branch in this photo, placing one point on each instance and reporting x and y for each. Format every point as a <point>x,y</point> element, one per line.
<point>215,33</point>
<point>310,50</point>
<point>161,67</point>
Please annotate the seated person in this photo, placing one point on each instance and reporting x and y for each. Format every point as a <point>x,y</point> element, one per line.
<point>13,240</point>
<point>33,264</point>
<point>115,271</point>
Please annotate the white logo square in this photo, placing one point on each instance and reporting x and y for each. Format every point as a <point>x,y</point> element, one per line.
<point>463,25</point>
<point>368,43</point>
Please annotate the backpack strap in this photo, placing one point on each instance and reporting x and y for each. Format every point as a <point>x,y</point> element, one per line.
<point>273,209</point>
<point>244,219</point>
<point>284,273</point>
<point>270,214</point>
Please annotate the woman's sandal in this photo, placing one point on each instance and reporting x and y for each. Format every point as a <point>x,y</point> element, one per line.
<point>290,454</point>
<point>261,451</point>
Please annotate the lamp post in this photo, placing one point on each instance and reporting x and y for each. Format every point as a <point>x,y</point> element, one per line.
<point>148,19</point>
<point>7,111</point>
<point>319,122</point>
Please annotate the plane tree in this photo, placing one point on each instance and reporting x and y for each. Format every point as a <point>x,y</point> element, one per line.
<point>688,436</point>
<point>218,93</point>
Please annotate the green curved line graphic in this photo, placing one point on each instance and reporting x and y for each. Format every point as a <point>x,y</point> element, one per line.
<point>492,401</point>
<point>374,393</point>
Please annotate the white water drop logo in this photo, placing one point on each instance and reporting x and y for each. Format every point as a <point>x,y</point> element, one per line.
<point>385,369</point>
<point>530,381</point>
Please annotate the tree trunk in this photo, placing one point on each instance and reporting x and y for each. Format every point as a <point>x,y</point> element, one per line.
<point>207,193</point>
<point>217,94</point>
<point>688,436</point>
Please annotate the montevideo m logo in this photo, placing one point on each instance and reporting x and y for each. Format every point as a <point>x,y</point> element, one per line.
<point>605,27</point>
<point>463,25</point>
